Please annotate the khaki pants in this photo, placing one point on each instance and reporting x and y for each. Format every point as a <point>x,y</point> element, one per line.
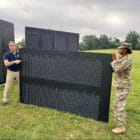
<point>119,107</point>
<point>10,77</point>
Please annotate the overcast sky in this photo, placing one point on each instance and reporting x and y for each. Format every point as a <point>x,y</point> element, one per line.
<point>112,17</point>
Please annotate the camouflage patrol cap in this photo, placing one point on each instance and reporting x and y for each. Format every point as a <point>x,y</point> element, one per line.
<point>125,46</point>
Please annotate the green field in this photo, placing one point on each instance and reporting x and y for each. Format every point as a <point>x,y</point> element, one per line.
<point>27,122</point>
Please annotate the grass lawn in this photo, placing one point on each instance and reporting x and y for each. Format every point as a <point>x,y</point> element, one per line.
<point>27,122</point>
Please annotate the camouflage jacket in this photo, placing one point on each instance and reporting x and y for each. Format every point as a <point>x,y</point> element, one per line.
<point>122,68</point>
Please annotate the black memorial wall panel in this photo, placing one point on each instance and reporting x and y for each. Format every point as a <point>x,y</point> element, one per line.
<point>51,40</point>
<point>74,82</point>
<point>6,34</point>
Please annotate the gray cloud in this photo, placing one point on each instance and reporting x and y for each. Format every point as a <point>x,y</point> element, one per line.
<point>112,17</point>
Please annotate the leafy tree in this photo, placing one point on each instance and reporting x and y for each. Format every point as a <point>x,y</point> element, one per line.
<point>134,38</point>
<point>138,45</point>
<point>82,46</point>
<point>104,41</point>
<point>91,42</point>
<point>115,42</point>
<point>21,43</point>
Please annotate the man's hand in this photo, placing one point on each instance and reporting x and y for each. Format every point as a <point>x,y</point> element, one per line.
<point>17,61</point>
<point>114,57</point>
<point>8,63</point>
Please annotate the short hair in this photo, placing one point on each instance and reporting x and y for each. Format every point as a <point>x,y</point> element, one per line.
<point>11,42</point>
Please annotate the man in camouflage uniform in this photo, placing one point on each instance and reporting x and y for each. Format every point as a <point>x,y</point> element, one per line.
<point>122,67</point>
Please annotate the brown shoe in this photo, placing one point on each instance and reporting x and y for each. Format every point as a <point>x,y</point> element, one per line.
<point>119,130</point>
<point>4,103</point>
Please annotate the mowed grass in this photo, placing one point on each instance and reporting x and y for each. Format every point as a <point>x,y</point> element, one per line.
<point>27,122</point>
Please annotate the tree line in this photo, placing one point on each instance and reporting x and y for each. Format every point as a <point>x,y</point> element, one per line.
<point>90,42</point>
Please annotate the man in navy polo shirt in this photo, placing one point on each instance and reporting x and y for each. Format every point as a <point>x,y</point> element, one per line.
<point>12,62</point>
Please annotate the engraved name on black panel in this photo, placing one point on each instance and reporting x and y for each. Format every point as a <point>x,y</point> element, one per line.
<point>74,82</point>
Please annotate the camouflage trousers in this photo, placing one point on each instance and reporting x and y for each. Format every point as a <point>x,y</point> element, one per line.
<point>119,107</point>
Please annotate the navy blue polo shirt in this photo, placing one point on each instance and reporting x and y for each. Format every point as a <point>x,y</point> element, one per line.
<point>11,57</point>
